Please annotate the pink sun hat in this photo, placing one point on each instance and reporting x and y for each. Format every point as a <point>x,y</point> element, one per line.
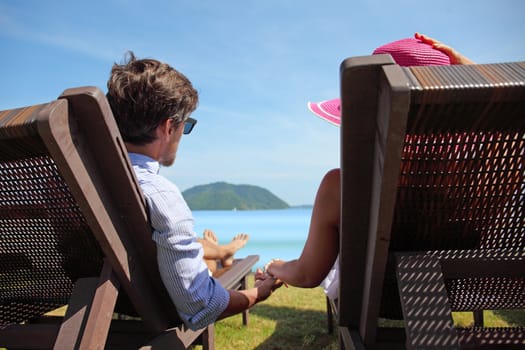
<point>329,110</point>
<point>405,52</point>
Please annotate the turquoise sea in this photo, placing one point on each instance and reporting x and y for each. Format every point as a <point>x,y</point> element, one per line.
<point>273,233</point>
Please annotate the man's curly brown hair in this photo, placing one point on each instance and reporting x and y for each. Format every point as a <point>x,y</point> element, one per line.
<point>144,92</point>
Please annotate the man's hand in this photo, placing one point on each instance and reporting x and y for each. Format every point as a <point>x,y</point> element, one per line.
<point>265,285</point>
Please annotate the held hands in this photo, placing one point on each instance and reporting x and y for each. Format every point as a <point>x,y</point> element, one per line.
<point>267,272</point>
<point>277,262</point>
<point>455,57</point>
<point>265,284</point>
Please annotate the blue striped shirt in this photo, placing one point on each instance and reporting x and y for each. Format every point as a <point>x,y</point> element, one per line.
<point>199,298</point>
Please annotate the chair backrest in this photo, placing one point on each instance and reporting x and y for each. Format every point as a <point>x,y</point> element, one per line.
<point>432,159</point>
<point>68,200</point>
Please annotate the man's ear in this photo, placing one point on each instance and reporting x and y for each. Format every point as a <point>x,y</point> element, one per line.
<point>165,127</point>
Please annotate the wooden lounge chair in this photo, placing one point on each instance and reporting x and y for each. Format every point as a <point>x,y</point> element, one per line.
<point>433,180</point>
<point>74,230</point>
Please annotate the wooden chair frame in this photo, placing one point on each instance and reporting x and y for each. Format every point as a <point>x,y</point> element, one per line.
<point>79,137</point>
<point>378,99</point>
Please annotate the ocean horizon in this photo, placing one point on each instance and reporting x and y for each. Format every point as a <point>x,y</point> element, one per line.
<point>279,233</point>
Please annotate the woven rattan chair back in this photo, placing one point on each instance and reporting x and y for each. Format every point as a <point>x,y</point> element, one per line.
<point>432,161</point>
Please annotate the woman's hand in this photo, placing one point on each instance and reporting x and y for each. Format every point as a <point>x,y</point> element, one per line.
<point>270,263</point>
<point>455,57</point>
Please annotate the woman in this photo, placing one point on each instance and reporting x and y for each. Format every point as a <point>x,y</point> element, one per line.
<point>318,258</point>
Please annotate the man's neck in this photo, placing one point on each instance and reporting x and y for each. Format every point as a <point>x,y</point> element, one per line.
<point>150,149</point>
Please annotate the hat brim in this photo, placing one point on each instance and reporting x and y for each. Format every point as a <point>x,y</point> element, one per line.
<point>327,110</point>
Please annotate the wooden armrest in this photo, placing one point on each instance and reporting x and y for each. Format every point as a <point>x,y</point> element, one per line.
<point>231,276</point>
<point>482,263</point>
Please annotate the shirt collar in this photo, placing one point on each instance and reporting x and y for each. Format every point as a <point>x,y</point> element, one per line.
<point>145,162</point>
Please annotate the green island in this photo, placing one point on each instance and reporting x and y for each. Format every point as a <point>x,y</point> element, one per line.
<point>225,196</point>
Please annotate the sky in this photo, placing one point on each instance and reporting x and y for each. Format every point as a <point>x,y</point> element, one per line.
<point>255,64</point>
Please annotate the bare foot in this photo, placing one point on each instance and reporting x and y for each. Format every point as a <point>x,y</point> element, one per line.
<point>237,243</point>
<point>210,236</point>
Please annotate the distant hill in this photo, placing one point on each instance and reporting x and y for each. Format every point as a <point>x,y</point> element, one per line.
<point>225,196</point>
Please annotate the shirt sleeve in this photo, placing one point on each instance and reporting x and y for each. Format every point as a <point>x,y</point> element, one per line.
<point>198,297</point>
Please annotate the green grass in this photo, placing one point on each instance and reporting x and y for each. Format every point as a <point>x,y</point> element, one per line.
<point>292,318</point>
<point>499,318</point>
<point>295,318</point>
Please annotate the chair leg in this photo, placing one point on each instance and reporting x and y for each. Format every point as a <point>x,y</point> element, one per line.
<point>245,312</point>
<point>329,316</point>
<point>424,301</point>
<point>88,316</point>
<point>349,339</point>
<point>478,318</point>
<point>208,338</point>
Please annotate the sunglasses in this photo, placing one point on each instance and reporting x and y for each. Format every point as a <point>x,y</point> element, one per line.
<point>189,123</point>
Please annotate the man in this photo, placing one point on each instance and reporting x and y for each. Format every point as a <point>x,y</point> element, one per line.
<point>152,103</point>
